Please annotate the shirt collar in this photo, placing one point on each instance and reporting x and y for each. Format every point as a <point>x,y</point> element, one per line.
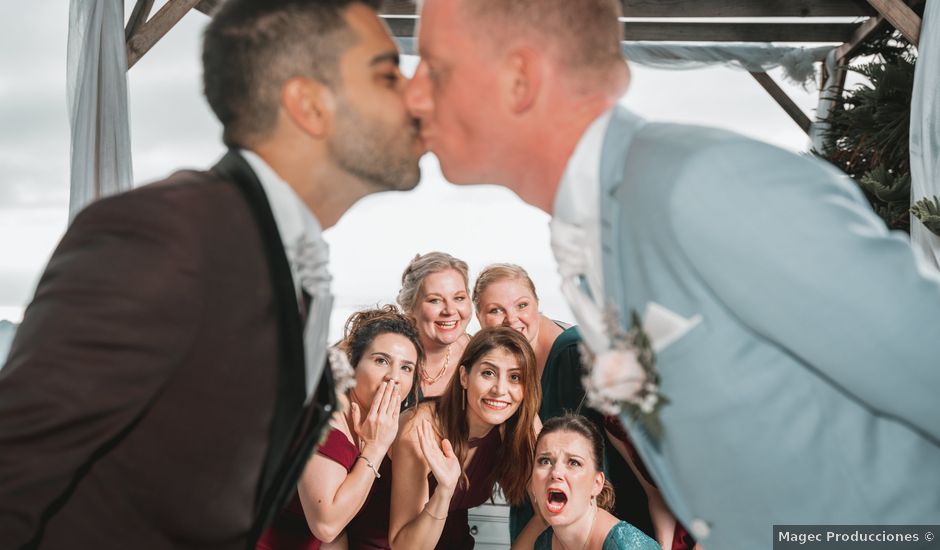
<point>576,201</point>
<point>291,215</point>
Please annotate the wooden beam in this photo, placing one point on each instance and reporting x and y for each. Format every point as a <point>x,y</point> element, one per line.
<point>861,34</point>
<point>153,30</point>
<point>208,6</point>
<point>700,32</point>
<point>398,7</point>
<point>901,16</point>
<point>782,99</point>
<point>708,8</point>
<point>138,16</point>
<point>739,32</point>
<point>746,8</point>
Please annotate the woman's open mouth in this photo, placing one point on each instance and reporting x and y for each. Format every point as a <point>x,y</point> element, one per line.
<point>556,501</point>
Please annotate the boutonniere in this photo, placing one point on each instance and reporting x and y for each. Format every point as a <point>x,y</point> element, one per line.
<point>623,378</point>
<point>344,376</point>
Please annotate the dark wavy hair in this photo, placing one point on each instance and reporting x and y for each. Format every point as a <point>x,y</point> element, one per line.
<point>514,462</point>
<point>365,326</point>
<point>577,424</point>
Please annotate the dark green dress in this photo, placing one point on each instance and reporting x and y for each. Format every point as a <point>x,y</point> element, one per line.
<point>563,392</point>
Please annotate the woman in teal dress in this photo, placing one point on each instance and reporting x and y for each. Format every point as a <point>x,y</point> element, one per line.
<point>572,495</point>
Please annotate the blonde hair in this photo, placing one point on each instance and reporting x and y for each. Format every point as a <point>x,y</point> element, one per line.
<point>419,268</point>
<point>585,35</point>
<point>494,273</point>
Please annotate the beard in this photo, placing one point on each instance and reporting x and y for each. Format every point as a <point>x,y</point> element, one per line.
<point>373,151</point>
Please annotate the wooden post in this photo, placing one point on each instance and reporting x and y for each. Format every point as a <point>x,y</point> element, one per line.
<point>861,34</point>
<point>782,99</point>
<point>147,34</point>
<point>138,17</point>
<point>901,16</point>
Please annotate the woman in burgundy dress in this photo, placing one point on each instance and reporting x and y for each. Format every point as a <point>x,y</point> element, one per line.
<point>383,347</point>
<point>450,452</point>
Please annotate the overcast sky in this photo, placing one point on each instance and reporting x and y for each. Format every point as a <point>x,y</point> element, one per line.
<point>172,127</point>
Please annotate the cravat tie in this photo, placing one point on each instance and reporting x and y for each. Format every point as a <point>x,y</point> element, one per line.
<point>570,245</point>
<point>312,259</point>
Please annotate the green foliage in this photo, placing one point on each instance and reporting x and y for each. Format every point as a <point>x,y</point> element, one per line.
<point>889,194</point>
<point>927,211</point>
<point>868,134</point>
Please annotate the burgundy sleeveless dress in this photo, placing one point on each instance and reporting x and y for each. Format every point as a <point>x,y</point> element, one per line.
<point>369,529</point>
<point>456,534</point>
<point>681,540</point>
<point>289,530</point>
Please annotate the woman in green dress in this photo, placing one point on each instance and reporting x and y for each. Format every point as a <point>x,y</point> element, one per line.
<point>572,495</point>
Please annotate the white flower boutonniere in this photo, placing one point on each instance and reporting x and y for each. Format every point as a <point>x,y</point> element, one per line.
<point>344,376</point>
<point>623,377</point>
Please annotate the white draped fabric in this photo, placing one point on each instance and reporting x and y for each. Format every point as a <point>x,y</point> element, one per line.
<point>925,129</point>
<point>797,63</point>
<point>828,98</point>
<point>97,102</point>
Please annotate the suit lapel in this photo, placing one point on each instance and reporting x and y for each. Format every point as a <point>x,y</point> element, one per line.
<point>620,132</point>
<point>616,159</point>
<point>293,430</point>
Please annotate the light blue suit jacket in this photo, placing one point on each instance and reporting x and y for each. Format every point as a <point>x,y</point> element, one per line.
<point>810,392</point>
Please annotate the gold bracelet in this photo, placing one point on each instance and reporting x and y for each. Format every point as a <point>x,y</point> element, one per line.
<point>371,466</point>
<point>428,512</point>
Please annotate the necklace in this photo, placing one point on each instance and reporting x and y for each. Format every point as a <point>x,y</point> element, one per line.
<point>432,379</point>
<point>591,530</point>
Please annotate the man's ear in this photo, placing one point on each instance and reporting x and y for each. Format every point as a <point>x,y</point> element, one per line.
<point>522,78</point>
<point>309,104</point>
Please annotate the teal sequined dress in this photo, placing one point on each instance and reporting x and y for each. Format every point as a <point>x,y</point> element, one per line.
<point>622,536</point>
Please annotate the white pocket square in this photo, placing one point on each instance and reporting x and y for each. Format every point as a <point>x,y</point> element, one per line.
<point>664,327</point>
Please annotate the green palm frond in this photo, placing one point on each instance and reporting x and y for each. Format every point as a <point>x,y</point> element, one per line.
<point>868,131</point>
<point>927,210</point>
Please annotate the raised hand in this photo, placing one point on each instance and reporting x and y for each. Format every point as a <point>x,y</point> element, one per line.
<point>440,457</point>
<point>379,428</point>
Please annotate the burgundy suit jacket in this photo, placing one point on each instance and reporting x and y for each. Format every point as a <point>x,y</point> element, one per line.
<point>154,394</point>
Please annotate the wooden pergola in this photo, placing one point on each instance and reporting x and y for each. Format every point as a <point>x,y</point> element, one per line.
<point>761,21</point>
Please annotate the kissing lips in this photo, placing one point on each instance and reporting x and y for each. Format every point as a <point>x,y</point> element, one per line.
<point>556,501</point>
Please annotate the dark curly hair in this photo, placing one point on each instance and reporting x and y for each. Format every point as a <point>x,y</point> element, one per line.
<point>365,326</point>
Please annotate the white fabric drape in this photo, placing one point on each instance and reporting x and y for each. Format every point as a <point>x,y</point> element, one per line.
<point>829,96</point>
<point>797,63</point>
<point>97,102</point>
<point>925,129</point>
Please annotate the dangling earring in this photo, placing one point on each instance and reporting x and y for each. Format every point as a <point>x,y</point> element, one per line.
<point>463,400</point>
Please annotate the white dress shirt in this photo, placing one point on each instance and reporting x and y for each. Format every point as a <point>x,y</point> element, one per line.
<point>576,229</point>
<point>295,222</point>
